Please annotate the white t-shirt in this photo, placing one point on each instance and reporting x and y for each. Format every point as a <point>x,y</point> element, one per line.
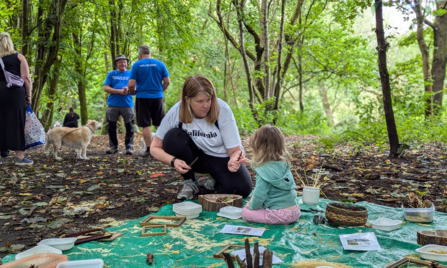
<point>210,139</point>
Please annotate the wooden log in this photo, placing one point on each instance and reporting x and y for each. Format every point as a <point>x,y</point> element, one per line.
<point>228,260</point>
<point>267,259</point>
<point>327,166</point>
<point>214,202</point>
<point>240,262</point>
<point>256,254</point>
<point>437,237</point>
<point>248,254</point>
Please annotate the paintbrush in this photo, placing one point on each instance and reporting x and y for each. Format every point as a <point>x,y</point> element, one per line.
<point>193,162</point>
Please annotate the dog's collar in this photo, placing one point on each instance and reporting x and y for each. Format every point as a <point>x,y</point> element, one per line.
<point>89,128</point>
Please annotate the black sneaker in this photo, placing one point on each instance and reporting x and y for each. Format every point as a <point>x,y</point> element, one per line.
<point>129,151</point>
<point>147,154</point>
<point>112,151</point>
<point>5,153</point>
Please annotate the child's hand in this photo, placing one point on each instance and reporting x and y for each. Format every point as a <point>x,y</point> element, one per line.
<point>247,205</point>
<point>247,161</point>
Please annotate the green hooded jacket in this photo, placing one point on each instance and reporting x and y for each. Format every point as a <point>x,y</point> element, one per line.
<point>275,186</point>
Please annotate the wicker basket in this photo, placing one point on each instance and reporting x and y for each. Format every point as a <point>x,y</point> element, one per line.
<point>341,214</point>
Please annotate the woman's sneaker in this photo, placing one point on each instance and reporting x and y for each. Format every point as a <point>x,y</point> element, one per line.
<point>207,182</point>
<point>189,190</point>
<point>23,162</point>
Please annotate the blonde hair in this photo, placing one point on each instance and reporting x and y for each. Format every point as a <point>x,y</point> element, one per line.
<point>6,45</point>
<point>268,145</point>
<point>193,86</point>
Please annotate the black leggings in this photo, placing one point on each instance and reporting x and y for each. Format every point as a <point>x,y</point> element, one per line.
<point>179,144</point>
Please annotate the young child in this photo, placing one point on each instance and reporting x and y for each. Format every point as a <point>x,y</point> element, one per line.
<point>274,197</point>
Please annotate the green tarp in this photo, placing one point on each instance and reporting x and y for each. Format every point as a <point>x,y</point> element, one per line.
<point>194,243</point>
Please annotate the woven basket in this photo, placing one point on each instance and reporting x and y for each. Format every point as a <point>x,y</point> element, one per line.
<point>341,214</point>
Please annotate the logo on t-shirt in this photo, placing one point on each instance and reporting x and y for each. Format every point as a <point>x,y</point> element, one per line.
<point>120,78</point>
<point>148,65</point>
<point>199,133</point>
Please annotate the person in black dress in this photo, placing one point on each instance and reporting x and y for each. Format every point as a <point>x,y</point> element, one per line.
<point>71,119</point>
<point>13,101</point>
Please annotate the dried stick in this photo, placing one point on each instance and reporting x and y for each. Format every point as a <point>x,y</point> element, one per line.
<point>192,163</point>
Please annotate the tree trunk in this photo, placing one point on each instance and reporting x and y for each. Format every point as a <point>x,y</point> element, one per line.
<point>281,36</point>
<point>25,27</point>
<point>385,81</point>
<point>425,60</point>
<point>47,115</point>
<point>326,105</point>
<point>47,48</point>
<point>265,24</point>
<point>439,57</point>
<point>244,58</point>
<point>81,72</point>
<point>300,72</point>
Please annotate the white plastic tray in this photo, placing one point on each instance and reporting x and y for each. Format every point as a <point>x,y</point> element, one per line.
<point>59,243</point>
<point>187,208</point>
<point>93,263</point>
<point>386,224</point>
<point>425,254</point>
<point>230,212</point>
<point>36,250</point>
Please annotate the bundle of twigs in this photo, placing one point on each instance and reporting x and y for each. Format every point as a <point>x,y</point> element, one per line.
<point>415,201</point>
<point>316,179</point>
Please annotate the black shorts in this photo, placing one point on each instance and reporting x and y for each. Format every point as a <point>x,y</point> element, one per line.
<point>149,110</point>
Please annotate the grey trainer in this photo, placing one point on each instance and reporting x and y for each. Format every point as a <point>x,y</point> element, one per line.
<point>129,150</point>
<point>189,190</point>
<point>23,162</point>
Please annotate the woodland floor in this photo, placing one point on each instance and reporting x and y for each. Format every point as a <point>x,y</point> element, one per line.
<point>53,198</point>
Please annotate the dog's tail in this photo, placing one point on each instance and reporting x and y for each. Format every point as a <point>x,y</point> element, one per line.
<point>142,146</point>
<point>49,141</point>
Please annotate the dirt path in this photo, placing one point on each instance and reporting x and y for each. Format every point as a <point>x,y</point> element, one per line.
<point>53,198</point>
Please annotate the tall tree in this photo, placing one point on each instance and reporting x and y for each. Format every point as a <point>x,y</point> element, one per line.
<point>382,46</point>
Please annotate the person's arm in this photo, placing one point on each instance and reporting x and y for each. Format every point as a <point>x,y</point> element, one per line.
<point>65,121</point>
<point>24,73</point>
<point>166,82</point>
<point>259,194</point>
<point>131,89</point>
<point>160,154</point>
<point>111,90</point>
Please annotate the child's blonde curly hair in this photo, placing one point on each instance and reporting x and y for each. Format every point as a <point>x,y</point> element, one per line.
<point>268,144</point>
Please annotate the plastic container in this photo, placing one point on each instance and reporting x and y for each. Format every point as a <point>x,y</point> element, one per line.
<point>187,208</point>
<point>419,214</point>
<point>93,263</point>
<point>386,224</point>
<point>37,250</point>
<point>42,260</point>
<point>433,252</point>
<point>188,217</point>
<point>230,212</point>
<point>311,195</point>
<point>59,243</point>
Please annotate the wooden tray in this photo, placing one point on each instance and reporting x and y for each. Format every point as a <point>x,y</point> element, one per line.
<point>437,237</point>
<point>210,202</point>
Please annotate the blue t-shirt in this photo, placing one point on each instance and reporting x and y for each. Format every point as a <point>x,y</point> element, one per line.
<point>117,80</point>
<point>149,74</point>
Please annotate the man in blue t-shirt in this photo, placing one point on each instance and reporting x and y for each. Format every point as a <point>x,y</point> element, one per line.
<point>119,102</point>
<point>152,78</point>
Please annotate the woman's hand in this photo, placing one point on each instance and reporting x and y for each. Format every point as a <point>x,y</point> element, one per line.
<point>28,100</point>
<point>236,159</point>
<point>181,166</point>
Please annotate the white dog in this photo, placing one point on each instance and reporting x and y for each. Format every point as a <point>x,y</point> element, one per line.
<point>78,138</point>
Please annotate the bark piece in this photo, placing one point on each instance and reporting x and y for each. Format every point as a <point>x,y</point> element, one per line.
<point>228,260</point>
<point>437,237</point>
<point>214,202</point>
<point>150,258</point>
